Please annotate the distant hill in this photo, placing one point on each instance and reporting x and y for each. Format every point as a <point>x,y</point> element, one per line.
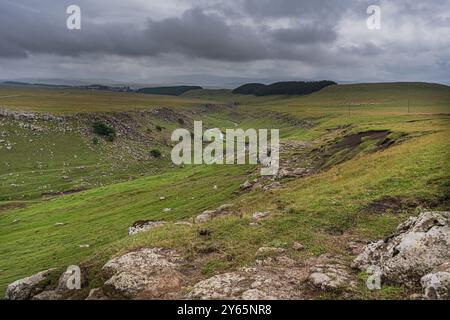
<point>249,88</point>
<point>283,88</point>
<point>171,91</point>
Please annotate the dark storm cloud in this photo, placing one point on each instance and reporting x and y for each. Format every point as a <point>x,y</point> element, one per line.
<point>195,34</point>
<point>290,36</point>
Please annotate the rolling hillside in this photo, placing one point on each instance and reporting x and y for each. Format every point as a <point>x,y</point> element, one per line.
<point>374,154</point>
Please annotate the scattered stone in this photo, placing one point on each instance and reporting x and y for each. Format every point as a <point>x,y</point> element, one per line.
<point>204,217</point>
<point>271,186</point>
<point>16,221</point>
<point>260,215</point>
<point>215,187</point>
<point>84,246</point>
<point>162,198</point>
<point>285,173</point>
<point>143,226</point>
<point>270,251</point>
<point>184,223</point>
<point>246,185</point>
<point>210,214</point>
<point>419,245</point>
<point>167,209</point>
<point>26,288</point>
<point>298,246</point>
<point>59,224</point>
<point>223,208</point>
<point>300,171</point>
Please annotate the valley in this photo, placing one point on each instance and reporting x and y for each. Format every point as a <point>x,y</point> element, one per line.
<point>355,161</point>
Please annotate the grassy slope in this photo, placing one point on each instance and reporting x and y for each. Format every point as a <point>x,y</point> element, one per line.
<point>101,216</point>
<point>312,210</point>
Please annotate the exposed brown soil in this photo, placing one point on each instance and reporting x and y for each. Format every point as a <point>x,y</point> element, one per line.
<point>11,205</point>
<point>354,140</point>
<point>396,205</point>
<point>390,204</point>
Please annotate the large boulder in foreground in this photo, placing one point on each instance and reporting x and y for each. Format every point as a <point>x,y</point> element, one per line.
<point>282,280</point>
<point>26,288</point>
<point>417,247</point>
<point>148,273</point>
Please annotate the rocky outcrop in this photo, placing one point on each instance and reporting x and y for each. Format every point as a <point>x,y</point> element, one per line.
<point>288,172</point>
<point>143,226</point>
<point>267,251</point>
<point>26,288</point>
<point>281,278</point>
<point>260,215</point>
<point>418,246</point>
<point>211,214</point>
<point>39,286</point>
<point>28,116</point>
<point>246,185</point>
<point>436,285</point>
<point>276,276</point>
<point>331,273</point>
<point>149,273</point>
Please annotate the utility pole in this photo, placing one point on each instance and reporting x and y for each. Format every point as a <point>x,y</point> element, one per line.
<point>408,106</point>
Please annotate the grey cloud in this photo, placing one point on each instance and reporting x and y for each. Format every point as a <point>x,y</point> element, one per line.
<point>236,37</point>
<point>306,34</point>
<point>197,34</point>
<point>323,11</point>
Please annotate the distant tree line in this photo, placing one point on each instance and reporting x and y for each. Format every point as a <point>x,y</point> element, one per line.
<point>283,88</point>
<point>171,91</point>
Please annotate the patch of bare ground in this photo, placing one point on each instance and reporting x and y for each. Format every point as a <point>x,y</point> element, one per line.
<point>354,140</point>
<point>350,145</point>
<point>397,204</point>
<point>11,205</point>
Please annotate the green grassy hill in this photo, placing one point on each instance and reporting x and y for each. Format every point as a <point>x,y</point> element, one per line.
<point>323,210</point>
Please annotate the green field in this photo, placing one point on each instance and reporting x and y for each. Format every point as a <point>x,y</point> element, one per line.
<point>71,100</point>
<point>322,211</point>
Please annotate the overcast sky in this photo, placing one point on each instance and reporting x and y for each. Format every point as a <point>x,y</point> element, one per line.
<point>223,42</point>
